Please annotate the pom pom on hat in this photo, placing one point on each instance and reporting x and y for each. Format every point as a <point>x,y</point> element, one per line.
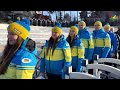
<point>75,29</point>
<point>98,23</point>
<point>57,28</point>
<point>21,28</point>
<point>58,25</point>
<point>76,25</point>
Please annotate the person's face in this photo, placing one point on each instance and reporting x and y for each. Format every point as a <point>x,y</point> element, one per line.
<point>97,27</point>
<point>72,33</point>
<point>106,29</point>
<point>18,18</point>
<point>12,37</point>
<point>55,35</point>
<point>81,26</point>
<point>112,29</point>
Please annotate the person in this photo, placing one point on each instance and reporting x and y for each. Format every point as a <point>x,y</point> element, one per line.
<point>77,49</point>
<point>18,18</point>
<point>112,29</point>
<point>19,56</point>
<point>102,41</point>
<point>114,42</point>
<point>56,55</point>
<point>118,37</point>
<point>87,40</point>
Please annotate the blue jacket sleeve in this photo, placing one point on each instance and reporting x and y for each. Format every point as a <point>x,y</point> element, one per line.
<point>107,47</point>
<point>91,48</point>
<point>42,62</point>
<point>81,51</point>
<point>105,52</point>
<point>67,54</point>
<point>68,58</point>
<point>114,43</point>
<point>42,65</point>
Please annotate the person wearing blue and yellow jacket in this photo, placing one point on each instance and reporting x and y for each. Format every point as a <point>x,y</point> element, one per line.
<point>18,60</point>
<point>56,55</point>
<point>87,40</point>
<point>102,41</point>
<point>77,49</point>
<point>114,42</point>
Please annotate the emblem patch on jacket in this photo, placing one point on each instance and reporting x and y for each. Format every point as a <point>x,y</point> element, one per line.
<point>67,44</point>
<point>26,60</point>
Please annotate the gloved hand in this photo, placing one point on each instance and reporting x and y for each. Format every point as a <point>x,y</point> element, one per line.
<point>40,77</point>
<point>112,55</point>
<point>65,70</point>
<point>79,67</point>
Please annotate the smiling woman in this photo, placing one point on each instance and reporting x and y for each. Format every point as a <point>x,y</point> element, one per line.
<point>12,38</point>
<point>56,55</point>
<point>18,60</point>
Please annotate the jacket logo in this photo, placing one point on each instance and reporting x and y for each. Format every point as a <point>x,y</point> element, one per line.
<point>26,60</point>
<point>67,44</point>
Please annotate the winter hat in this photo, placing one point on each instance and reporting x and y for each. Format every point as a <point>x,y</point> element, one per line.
<point>82,22</point>
<point>98,23</point>
<point>107,26</point>
<point>57,28</point>
<point>75,29</point>
<point>21,28</point>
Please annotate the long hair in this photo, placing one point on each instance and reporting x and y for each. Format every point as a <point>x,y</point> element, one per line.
<point>52,44</point>
<point>8,54</point>
<point>71,42</point>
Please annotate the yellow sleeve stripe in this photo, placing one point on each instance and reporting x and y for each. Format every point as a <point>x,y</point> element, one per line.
<point>43,53</point>
<point>107,42</point>
<point>67,53</point>
<point>102,42</point>
<point>81,53</point>
<point>91,43</point>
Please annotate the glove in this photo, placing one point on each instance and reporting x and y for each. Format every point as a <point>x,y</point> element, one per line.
<point>40,77</point>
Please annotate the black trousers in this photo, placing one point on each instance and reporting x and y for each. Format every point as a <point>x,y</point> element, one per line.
<point>119,55</point>
<point>73,70</point>
<point>53,76</point>
<point>90,71</point>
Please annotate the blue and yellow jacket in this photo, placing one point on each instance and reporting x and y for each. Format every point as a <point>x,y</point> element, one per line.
<point>87,40</point>
<point>23,63</point>
<point>114,43</point>
<point>77,52</point>
<point>60,59</point>
<point>102,43</point>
